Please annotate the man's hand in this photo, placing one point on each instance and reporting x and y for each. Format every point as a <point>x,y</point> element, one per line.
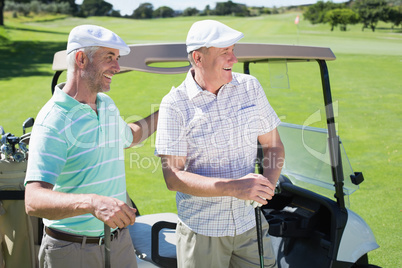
<point>113,212</point>
<point>254,188</point>
<point>252,203</point>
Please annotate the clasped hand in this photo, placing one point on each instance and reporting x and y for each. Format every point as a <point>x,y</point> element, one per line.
<point>255,189</point>
<point>113,212</point>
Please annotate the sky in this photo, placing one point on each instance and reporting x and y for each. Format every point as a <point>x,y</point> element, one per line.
<point>126,7</point>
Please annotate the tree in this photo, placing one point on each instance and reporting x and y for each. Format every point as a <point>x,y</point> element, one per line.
<point>1,12</point>
<point>316,13</point>
<point>115,13</point>
<point>96,8</point>
<point>144,11</point>
<point>342,17</point>
<point>73,5</point>
<point>190,11</point>
<point>395,16</point>
<point>207,11</point>
<point>371,11</point>
<point>230,8</point>
<point>163,12</point>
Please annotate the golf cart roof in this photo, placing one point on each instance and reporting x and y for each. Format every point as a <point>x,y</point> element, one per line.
<point>142,55</point>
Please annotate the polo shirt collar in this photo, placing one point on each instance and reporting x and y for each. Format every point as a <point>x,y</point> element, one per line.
<point>67,102</point>
<point>63,99</point>
<point>193,89</point>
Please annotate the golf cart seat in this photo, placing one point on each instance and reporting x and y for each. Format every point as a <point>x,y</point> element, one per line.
<point>160,230</point>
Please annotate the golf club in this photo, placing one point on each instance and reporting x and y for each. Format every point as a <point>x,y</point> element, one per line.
<point>18,157</point>
<point>257,209</point>
<point>27,123</point>
<point>259,235</point>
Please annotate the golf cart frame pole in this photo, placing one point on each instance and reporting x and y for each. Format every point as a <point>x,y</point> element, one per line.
<point>257,210</point>
<point>246,67</point>
<point>54,80</point>
<point>333,139</point>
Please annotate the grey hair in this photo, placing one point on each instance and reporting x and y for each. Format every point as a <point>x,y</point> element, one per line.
<point>190,58</point>
<point>89,51</point>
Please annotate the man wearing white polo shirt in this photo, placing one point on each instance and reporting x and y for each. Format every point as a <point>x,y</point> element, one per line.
<point>76,178</point>
<point>208,129</point>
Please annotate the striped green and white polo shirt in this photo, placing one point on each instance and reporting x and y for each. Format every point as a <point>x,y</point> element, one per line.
<point>79,151</point>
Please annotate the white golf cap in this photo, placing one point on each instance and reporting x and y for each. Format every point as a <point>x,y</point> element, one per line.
<point>211,33</point>
<point>92,35</point>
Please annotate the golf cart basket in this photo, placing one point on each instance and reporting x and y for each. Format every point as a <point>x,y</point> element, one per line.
<point>309,227</point>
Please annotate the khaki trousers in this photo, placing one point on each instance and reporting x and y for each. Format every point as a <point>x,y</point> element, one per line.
<point>241,251</point>
<point>61,254</point>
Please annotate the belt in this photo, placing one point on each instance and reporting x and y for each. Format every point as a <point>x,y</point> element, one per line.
<point>78,238</point>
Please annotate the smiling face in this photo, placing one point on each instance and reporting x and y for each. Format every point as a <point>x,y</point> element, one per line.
<point>214,67</point>
<point>100,70</point>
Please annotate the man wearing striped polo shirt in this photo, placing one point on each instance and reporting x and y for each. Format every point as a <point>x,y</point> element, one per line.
<point>76,177</point>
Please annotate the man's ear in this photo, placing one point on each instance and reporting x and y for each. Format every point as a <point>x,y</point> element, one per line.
<point>197,56</point>
<point>80,59</point>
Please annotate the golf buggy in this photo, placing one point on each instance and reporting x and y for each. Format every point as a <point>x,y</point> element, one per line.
<point>310,222</point>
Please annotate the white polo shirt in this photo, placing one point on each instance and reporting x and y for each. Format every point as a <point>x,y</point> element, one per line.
<point>218,135</point>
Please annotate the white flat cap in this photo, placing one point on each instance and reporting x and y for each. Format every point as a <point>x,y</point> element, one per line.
<point>92,35</point>
<point>211,33</point>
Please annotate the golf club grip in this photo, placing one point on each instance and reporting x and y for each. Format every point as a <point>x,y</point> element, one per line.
<point>257,211</point>
<point>107,245</point>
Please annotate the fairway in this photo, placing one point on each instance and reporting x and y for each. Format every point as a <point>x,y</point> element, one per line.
<point>365,80</point>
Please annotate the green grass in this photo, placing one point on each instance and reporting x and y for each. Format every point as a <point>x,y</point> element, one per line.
<point>365,80</point>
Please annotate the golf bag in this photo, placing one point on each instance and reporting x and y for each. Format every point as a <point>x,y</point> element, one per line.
<point>17,235</point>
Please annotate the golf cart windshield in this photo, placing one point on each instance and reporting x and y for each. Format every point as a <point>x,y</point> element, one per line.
<point>315,158</point>
<point>307,162</point>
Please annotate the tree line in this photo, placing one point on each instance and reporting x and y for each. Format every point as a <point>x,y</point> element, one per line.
<point>367,12</point>
<point>144,11</point>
